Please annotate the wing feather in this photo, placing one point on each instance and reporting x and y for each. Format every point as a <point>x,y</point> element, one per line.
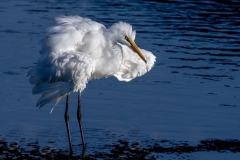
<point>68,33</point>
<point>58,74</point>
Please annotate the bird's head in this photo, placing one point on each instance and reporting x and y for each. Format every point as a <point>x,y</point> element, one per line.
<point>122,32</point>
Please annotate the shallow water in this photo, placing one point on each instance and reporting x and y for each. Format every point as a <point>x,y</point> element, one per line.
<point>191,94</point>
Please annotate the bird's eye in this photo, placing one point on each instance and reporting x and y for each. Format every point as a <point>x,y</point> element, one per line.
<point>126,37</point>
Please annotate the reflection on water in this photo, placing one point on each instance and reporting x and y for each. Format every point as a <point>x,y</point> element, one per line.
<point>191,94</point>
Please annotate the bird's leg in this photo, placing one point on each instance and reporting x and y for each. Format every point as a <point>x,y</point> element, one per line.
<point>67,124</point>
<point>83,153</point>
<point>79,116</point>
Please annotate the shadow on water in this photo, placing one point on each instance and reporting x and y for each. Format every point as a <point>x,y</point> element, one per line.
<point>120,150</point>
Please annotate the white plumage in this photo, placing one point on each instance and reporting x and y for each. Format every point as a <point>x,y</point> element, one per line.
<point>78,49</point>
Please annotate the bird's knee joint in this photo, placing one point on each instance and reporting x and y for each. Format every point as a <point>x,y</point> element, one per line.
<point>79,115</point>
<point>66,117</point>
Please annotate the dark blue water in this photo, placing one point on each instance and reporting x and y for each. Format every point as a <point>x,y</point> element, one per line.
<point>191,94</point>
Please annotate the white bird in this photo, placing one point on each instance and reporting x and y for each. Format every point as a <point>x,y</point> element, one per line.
<point>77,50</point>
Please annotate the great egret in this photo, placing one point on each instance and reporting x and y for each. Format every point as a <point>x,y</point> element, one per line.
<point>77,50</point>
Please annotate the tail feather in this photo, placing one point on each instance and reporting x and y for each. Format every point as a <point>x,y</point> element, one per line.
<point>52,91</point>
<point>47,87</point>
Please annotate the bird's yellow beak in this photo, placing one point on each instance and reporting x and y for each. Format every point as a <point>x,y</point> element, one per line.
<point>135,48</point>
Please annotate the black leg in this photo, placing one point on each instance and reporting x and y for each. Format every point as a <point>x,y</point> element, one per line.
<point>67,124</point>
<point>83,153</point>
<point>79,116</point>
